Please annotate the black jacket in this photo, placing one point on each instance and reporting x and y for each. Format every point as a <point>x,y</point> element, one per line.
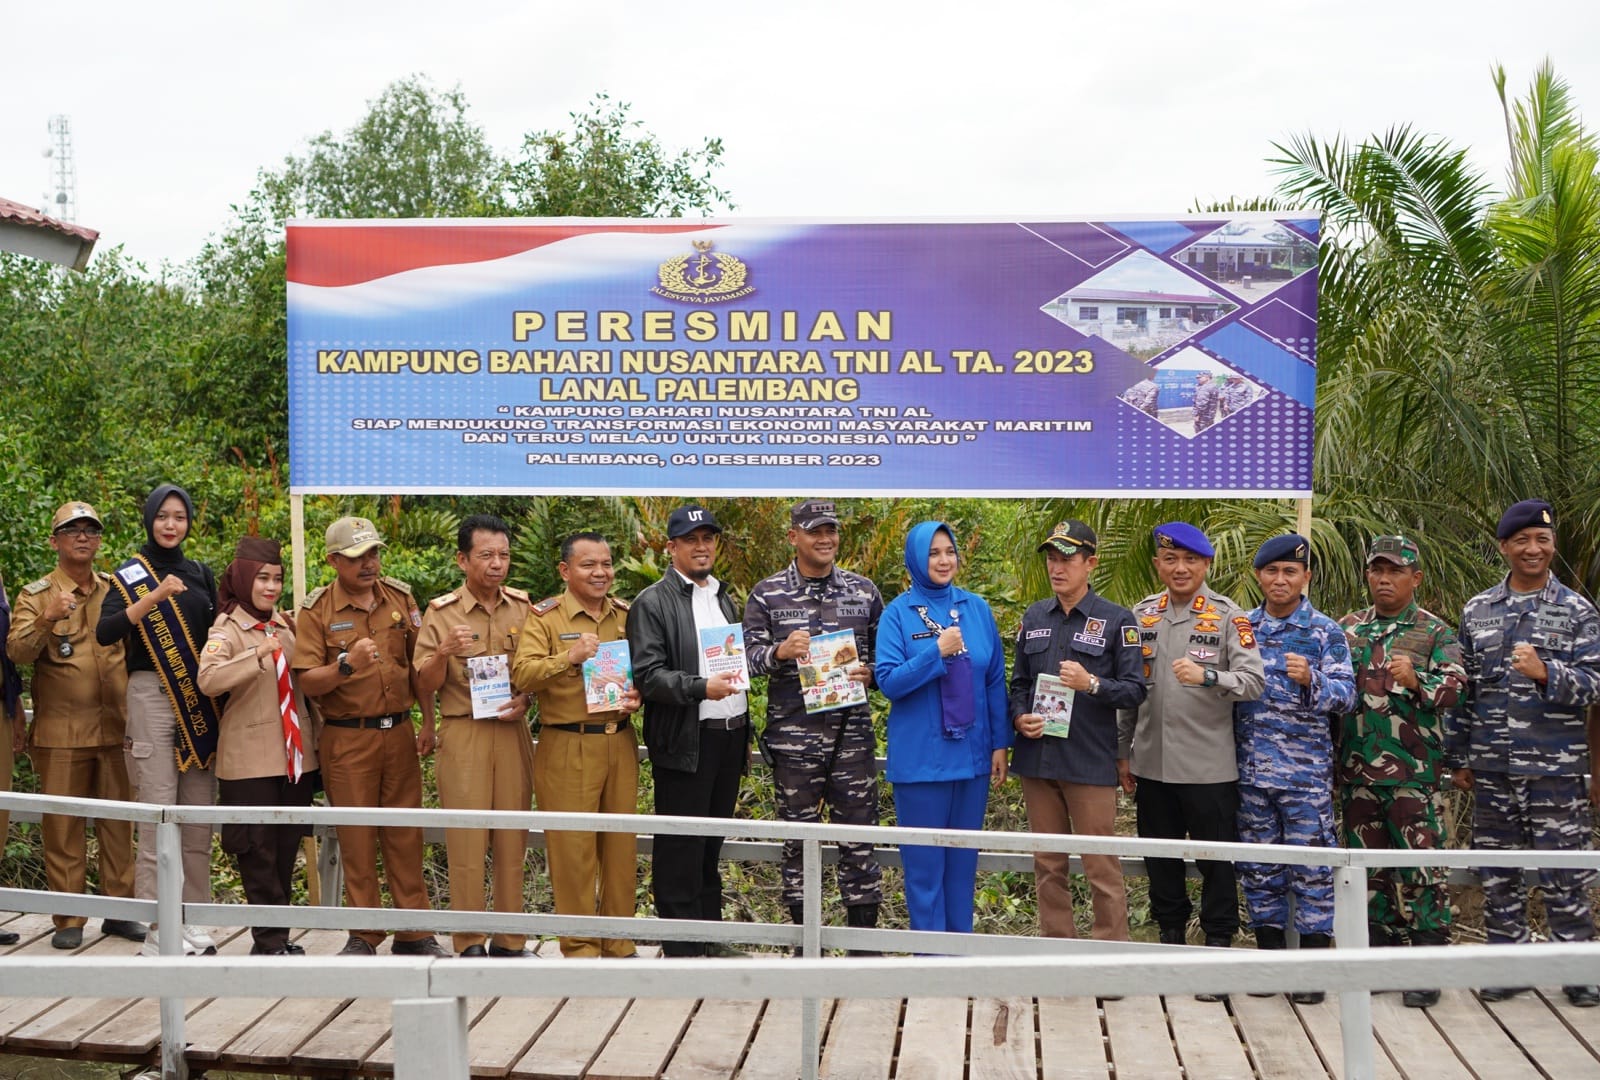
<point>666,668</point>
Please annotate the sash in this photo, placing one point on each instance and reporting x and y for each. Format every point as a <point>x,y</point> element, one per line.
<point>294,750</point>
<point>957,708</point>
<point>167,638</point>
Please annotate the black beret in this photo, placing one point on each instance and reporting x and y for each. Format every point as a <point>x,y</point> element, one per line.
<point>1288,548</point>
<point>1519,516</point>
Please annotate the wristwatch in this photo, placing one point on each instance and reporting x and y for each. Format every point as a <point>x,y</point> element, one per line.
<point>344,665</point>
<point>1210,678</point>
<point>1094,684</point>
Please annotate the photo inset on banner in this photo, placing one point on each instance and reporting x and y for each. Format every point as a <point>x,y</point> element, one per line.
<point>1250,259</point>
<point>1141,305</point>
<point>1192,393</point>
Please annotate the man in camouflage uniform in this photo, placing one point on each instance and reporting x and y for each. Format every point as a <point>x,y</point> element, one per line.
<point>1408,676</point>
<point>1143,395</point>
<point>1285,750</point>
<point>1531,648</point>
<point>1236,395</point>
<point>1206,399</point>
<point>823,757</point>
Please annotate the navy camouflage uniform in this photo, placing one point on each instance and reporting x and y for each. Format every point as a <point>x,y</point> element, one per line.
<point>1144,395</point>
<point>1206,399</point>
<point>1527,747</point>
<point>823,757</point>
<point>1285,748</point>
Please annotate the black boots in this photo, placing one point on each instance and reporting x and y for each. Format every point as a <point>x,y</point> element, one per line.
<point>1268,939</point>
<point>1424,999</point>
<point>862,917</point>
<point>1311,997</point>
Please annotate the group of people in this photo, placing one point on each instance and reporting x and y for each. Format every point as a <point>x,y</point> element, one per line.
<point>166,683</point>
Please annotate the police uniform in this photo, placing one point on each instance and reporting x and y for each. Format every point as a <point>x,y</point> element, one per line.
<point>1179,744</point>
<point>825,756</point>
<point>238,661</point>
<point>1285,754</point>
<point>585,763</point>
<point>368,745</point>
<point>481,763</point>
<point>80,692</point>
<point>1070,784</point>
<point>1527,747</point>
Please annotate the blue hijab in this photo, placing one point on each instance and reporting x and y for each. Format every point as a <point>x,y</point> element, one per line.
<point>957,708</point>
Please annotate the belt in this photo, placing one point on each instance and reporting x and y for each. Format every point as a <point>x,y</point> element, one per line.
<point>382,723</point>
<point>589,729</point>
<point>725,723</point>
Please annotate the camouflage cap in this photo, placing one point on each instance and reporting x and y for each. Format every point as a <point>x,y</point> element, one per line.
<point>813,513</point>
<point>1399,550</point>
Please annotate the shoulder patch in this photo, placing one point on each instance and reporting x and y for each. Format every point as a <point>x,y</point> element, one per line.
<point>514,593</point>
<point>441,601</point>
<point>1247,633</point>
<point>546,606</point>
<point>621,603</point>
<point>396,583</point>
<point>36,586</point>
<point>1130,635</point>
<point>313,596</point>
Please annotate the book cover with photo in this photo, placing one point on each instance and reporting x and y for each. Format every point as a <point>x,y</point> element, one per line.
<point>489,679</point>
<point>1052,699</point>
<point>607,677</point>
<point>723,648</point>
<point>825,681</point>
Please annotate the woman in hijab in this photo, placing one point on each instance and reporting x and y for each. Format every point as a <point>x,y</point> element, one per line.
<point>161,604</point>
<point>941,665</point>
<point>267,753</point>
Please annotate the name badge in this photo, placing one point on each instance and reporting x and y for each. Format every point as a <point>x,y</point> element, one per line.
<point>340,627</point>
<point>852,611</point>
<point>133,574</point>
<point>1031,634</point>
<point>1096,640</point>
<point>570,637</point>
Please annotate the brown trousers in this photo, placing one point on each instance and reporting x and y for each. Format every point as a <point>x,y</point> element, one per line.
<point>373,767</point>
<point>591,873</point>
<point>1056,806</point>
<point>485,764</point>
<point>84,772</point>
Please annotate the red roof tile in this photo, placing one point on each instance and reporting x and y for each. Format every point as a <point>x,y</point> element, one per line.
<point>27,215</point>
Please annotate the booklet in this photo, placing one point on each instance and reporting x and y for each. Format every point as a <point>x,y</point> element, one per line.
<point>1052,699</point>
<point>607,675</point>
<point>723,648</point>
<point>825,681</point>
<point>489,678</point>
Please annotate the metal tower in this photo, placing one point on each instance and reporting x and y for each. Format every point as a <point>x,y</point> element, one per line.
<point>62,202</point>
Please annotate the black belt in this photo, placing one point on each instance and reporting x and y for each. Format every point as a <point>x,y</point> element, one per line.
<point>589,729</point>
<point>382,723</point>
<point>725,723</point>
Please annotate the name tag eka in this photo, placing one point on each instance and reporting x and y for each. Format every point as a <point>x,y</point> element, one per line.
<point>167,639</point>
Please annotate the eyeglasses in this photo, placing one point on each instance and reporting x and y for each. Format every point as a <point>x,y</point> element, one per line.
<point>81,533</point>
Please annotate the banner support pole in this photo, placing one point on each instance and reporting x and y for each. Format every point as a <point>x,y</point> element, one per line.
<point>1302,518</point>
<point>297,537</point>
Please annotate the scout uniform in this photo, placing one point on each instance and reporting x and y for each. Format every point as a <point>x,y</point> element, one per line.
<point>1527,744</point>
<point>1285,755</point>
<point>585,763</point>
<point>482,763</point>
<point>79,692</point>
<point>1180,741</point>
<point>826,755</point>
<point>369,750</point>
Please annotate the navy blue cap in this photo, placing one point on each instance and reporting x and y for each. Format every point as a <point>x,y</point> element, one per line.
<point>1184,537</point>
<point>1519,516</point>
<point>1289,548</point>
<point>686,519</point>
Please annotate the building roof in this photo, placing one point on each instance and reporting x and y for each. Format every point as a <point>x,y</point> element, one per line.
<point>1132,296</point>
<point>31,232</point>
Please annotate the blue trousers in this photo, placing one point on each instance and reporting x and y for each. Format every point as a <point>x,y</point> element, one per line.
<point>940,881</point>
<point>1276,816</point>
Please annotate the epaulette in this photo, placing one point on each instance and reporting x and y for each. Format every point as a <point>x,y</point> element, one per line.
<point>36,586</point>
<point>395,582</point>
<point>441,601</point>
<point>621,603</point>
<point>313,596</point>
<point>546,606</point>
<point>105,575</point>
<point>515,593</point>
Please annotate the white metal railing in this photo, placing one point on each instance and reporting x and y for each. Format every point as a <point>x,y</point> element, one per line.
<point>429,996</point>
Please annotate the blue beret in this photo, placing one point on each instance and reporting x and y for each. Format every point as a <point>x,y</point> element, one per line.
<point>1290,548</point>
<point>1184,537</point>
<point>1519,516</point>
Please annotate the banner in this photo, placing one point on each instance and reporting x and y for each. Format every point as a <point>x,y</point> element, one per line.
<point>1173,356</point>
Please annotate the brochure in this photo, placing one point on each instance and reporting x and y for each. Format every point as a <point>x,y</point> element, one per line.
<point>489,678</point>
<point>825,681</point>
<point>1052,699</point>
<point>723,648</point>
<point>607,676</point>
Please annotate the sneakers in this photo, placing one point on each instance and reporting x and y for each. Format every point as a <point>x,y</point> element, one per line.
<point>428,946</point>
<point>196,942</point>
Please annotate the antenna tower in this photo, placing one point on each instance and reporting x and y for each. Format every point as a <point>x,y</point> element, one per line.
<point>62,202</point>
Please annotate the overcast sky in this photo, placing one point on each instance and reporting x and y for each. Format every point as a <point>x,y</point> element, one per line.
<point>865,108</point>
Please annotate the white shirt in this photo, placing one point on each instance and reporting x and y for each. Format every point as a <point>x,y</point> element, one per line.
<point>708,614</point>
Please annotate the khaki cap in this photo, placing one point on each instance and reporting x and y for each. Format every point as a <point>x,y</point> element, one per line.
<point>352,537</point>
<point>74,511</point>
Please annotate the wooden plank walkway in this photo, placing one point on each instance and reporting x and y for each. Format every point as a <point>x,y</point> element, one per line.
<point>1070,1038</point>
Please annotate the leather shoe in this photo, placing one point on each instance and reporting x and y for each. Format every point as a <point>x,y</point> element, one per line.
<point>69,937</point>
<point>428,946</point>
<point>1309,997</point>
<point>510,954</point>
<point>1585,997</point>
<point>473,952</point>
<point>9,937</point>
<point>123,928</point>
<point>1501,993</point>
<point>294,950</point>
<point>1420,999</point>
<point>723,951</point>
<point>257,950</point>
<point>358,947</point>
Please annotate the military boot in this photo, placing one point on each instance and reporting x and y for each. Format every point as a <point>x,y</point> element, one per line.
<point>1216,941</point>
<point>797,915</point>
<point>1311,997</point>
<point>1424,999</point>
<point>862,917</point>
<point>1268,939</point>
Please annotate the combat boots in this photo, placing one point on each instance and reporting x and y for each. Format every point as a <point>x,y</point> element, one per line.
<point>1311,997</point>
<point>1268,939</point>
<point>862,917</point>
<point>1424,999</point>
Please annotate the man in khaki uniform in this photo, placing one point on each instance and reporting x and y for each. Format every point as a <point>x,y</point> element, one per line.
<point>79,700</point>
<point>485,762</point>
<point>353,654</point>
<point>587,762</point>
